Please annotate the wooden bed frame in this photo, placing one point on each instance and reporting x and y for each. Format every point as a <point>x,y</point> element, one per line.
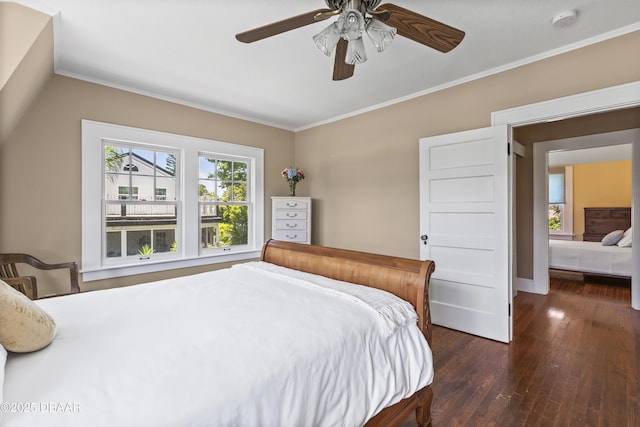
<point>406,278</point>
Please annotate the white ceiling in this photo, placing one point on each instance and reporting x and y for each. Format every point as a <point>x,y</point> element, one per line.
<point>611,153</point>
<point>185,51</point>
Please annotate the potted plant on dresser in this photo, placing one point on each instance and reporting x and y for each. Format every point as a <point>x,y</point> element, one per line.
<point>291,215</point>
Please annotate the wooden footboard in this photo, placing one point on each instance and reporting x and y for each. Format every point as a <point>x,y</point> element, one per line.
<point>406,278</point>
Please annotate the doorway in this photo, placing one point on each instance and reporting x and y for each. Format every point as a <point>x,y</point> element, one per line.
<point>587,104</point>
<point>540,160</point>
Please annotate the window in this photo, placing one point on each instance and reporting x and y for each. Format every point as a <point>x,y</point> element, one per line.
<point>127,193</point>
<point>223,200</point>
<point>161,194</point>
<point>163,201</point>
<point>556,200</point>
<point>560,201</point>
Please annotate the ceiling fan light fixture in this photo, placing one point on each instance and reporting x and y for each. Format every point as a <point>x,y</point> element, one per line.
<point>355,52</point>
<point>351,24</point>
<point>381,34</point>
<point>354,18</point>
<point>327,39</point>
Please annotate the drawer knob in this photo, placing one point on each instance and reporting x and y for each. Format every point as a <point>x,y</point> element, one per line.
<point>292,225</point>
<point>292,237</point>
<point>292,214</point>
<point>292,205</point>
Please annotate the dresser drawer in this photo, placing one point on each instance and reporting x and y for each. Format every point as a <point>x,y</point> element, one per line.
<point>291,214</point>
<point>291,224</point>
<point>291,219</point>
<point>291,204</point>
<point>291,235</point>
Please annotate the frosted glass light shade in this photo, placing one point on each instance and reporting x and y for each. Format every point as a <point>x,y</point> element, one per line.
<point>355,52</point>
<point>380,34</point>
<point>350,26</point>
<point>327,39</point>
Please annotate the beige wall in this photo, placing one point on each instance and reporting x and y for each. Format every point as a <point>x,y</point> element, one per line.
<point>26,61</point>
<point>20,28</point>
<point>363,171</point>
<point>597,185</point>
<point>40,170</point>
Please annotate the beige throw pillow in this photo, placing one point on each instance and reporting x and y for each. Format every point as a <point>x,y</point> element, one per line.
<point>24,326</point>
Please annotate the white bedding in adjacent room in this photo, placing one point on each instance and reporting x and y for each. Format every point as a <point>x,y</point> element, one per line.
<point>589,257</point>
<point>244,346</point>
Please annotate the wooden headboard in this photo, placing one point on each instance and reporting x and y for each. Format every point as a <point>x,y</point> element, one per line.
<point>598,222</point>
<point>406,278</point>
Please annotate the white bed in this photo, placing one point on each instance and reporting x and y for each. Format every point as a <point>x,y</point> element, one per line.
<point>590,257</point>
<point>183,352</point>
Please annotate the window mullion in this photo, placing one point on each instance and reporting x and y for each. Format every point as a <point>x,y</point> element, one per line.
<point>190,210</point>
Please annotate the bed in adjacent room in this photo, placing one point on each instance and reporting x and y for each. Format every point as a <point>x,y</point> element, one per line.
<point>590,257</point>
<point>308,336</point>
<point>605,249</point>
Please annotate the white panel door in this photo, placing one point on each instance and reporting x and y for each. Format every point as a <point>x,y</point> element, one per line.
<point>465,214</point>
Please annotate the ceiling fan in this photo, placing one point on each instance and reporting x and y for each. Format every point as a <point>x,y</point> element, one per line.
<point>356,17</point>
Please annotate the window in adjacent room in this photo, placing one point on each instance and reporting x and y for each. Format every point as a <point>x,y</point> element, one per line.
<point>163,201</point>
<point>560,202</point>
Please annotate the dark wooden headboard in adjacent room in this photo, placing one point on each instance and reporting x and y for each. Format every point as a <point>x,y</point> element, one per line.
<point>598,222</point>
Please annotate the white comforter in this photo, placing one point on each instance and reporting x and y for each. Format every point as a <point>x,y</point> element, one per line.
<point>236,347</point>
<point>589,257</point>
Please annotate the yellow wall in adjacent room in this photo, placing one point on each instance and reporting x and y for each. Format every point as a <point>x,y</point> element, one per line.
<point>599,185</point>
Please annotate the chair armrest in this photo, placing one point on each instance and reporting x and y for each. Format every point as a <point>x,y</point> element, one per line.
<point>25,284</point>
<point>36,263</point>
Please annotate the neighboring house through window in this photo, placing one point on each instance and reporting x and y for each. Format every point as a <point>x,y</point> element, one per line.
<point>165,201</point>
<point>134,223</point>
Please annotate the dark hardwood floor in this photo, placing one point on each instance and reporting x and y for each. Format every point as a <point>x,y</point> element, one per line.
<point>574,361</point>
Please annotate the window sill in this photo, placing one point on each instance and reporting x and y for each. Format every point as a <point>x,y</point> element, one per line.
<point>561,236</point>
<point>89,275</point>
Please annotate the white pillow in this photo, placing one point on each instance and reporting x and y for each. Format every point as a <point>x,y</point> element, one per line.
<point>625,242</point>
<point>628,231</point>
<point>612,238</point>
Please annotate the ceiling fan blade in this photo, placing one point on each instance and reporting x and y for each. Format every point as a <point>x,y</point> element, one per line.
<point>285,25</point>
<point>342,70</point>
<point>421,29</point>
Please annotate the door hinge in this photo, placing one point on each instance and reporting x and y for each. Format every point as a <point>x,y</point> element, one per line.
<point>508,148</point>
<point>509,310</point>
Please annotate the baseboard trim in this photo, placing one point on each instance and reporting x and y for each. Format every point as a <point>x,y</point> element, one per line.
<point>525,285</point>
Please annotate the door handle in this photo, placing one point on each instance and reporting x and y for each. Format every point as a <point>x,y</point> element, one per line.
<point>424,238</point>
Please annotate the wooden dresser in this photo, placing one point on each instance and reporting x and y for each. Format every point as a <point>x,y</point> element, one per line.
<point>598,222</point>
<point>291,219</point>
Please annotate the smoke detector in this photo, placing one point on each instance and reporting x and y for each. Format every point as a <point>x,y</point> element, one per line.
<point>564,19</point>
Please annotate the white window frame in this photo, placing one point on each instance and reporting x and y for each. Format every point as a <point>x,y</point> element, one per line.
<point>93,265</point>
<point>220,157</point>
